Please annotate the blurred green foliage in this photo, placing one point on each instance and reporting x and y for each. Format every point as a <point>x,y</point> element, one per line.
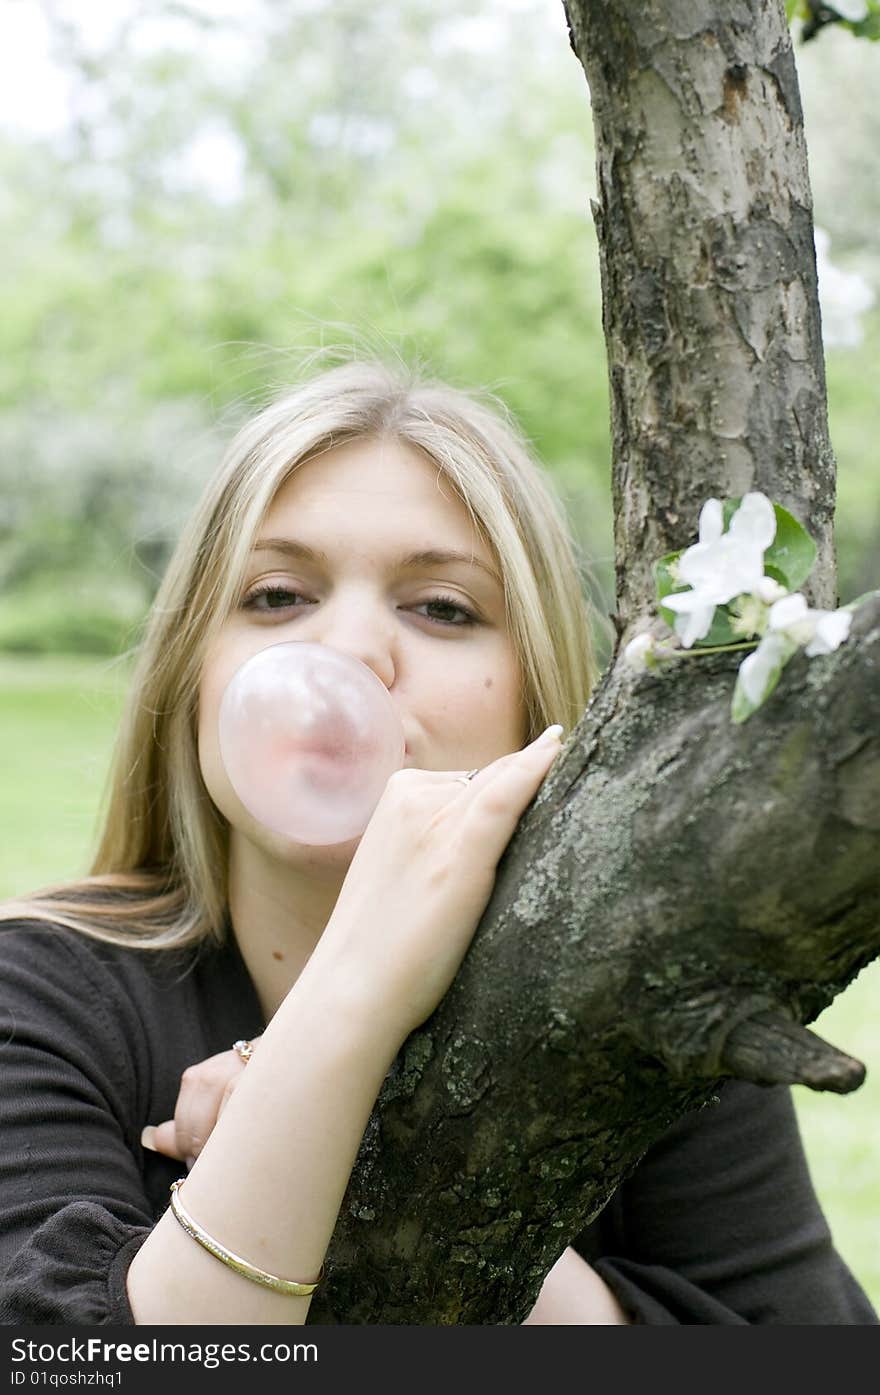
<point>232,193</point>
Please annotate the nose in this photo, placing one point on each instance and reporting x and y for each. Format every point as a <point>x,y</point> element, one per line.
<point>360,628</point>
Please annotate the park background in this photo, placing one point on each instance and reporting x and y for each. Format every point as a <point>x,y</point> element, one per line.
<point>198,198</point>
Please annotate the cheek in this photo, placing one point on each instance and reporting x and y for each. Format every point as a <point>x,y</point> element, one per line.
<point>489,702</point>
<point>504,693</point>
<point>210,764</point>
<point>221,662</point>
<point>217,670</point>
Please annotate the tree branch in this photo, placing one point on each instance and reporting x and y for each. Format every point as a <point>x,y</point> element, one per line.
<point>682,893</point>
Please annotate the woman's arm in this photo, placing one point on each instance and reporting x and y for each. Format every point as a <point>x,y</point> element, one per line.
<point>573,1293</point>
<point>269,1182</point>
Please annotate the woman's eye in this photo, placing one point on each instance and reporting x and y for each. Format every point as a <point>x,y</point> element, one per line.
<point>448,604</point>
<point>271,598</point>
<point>268,598</point>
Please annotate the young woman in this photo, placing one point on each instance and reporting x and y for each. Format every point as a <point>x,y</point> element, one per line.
<point>404,523</point>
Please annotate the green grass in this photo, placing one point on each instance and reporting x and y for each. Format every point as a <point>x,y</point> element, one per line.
<point>842,1132</point>
<point>58,718</point>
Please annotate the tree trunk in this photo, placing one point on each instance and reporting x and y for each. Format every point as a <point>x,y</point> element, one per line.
<point>683,893</point>
<point>709,273</point>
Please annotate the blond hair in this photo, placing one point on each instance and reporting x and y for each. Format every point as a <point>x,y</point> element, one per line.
<point>159,876</point>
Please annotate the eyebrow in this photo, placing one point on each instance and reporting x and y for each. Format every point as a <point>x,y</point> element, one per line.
<point>413,561</point>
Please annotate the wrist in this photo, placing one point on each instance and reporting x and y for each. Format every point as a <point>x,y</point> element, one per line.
<point>331,989</point>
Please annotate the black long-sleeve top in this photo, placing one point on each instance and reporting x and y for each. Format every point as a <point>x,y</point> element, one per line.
<point>718,1225</point>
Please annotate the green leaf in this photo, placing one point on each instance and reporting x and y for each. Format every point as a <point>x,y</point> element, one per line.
<point>721,630</point>
<point>869,27</point>
<point>728,509</point>
<point>776,574</point>
<point>742,706</point>
<point>792,553</point>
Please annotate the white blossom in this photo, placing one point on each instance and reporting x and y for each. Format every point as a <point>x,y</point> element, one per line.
<point>791,624</point>
<point>769,590</point>
<point>821,631</point>
<point>721,565</point>
<point>639,649</point>
<point>832,628</point>
<point>756,673</point>
<point>791,614</point>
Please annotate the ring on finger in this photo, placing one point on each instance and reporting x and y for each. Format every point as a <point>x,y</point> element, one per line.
<point>243,1049</point>
<point>466,779</point>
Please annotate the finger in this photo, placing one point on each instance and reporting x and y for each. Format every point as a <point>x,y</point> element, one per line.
<point>497,804</point>
<point>198,1103</point>
<point>549,740</point>
<point>162,1138</point>
<point>487,772</point>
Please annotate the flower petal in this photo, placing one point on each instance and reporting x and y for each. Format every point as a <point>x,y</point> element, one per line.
<point>711,521</point>
<point>759,672</point>
<point>683,602</point>
<point>693,625</point>
<point>787,611</point>
<point>754,521</point>
<point>636,653</point>
<point>769,590</point>
<point>721,570</point>
<point>832,628</point>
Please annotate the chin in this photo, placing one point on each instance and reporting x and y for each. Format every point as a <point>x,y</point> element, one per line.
<point>313,856</point>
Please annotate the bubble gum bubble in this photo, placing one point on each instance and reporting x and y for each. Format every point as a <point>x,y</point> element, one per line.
<point>309,737</point>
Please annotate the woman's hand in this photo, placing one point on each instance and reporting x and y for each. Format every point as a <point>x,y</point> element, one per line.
<point>205,1089</point>
<point>410,902</point>
<point>420,879</point>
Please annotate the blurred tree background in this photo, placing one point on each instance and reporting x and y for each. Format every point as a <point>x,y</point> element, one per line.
<point>193,195</point>
<point>235,185</point>
<point>196,197</point>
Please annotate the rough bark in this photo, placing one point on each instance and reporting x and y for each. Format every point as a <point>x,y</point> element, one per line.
<point>709,276</point>
<point>680,897</point>
<point>684,893</point>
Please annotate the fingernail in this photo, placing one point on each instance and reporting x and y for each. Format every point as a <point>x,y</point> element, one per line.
<point>553,733</point>
<point>148,1136</point>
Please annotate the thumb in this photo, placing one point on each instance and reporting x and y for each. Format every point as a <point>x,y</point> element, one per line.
<point>162,1138</point>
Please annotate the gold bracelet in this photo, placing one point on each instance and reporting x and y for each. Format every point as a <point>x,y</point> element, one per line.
<point>241,1266</point>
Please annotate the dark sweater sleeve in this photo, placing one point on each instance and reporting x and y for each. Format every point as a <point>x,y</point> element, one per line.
<point>719,1224</point>
<point>73,1208</point>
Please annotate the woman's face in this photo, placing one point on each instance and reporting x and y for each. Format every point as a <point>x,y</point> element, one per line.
<point>432,629</point>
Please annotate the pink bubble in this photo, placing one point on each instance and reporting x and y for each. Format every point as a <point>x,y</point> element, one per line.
<point>309,737</point>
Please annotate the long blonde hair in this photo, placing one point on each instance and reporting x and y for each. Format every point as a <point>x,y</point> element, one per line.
<point>159,875</point>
